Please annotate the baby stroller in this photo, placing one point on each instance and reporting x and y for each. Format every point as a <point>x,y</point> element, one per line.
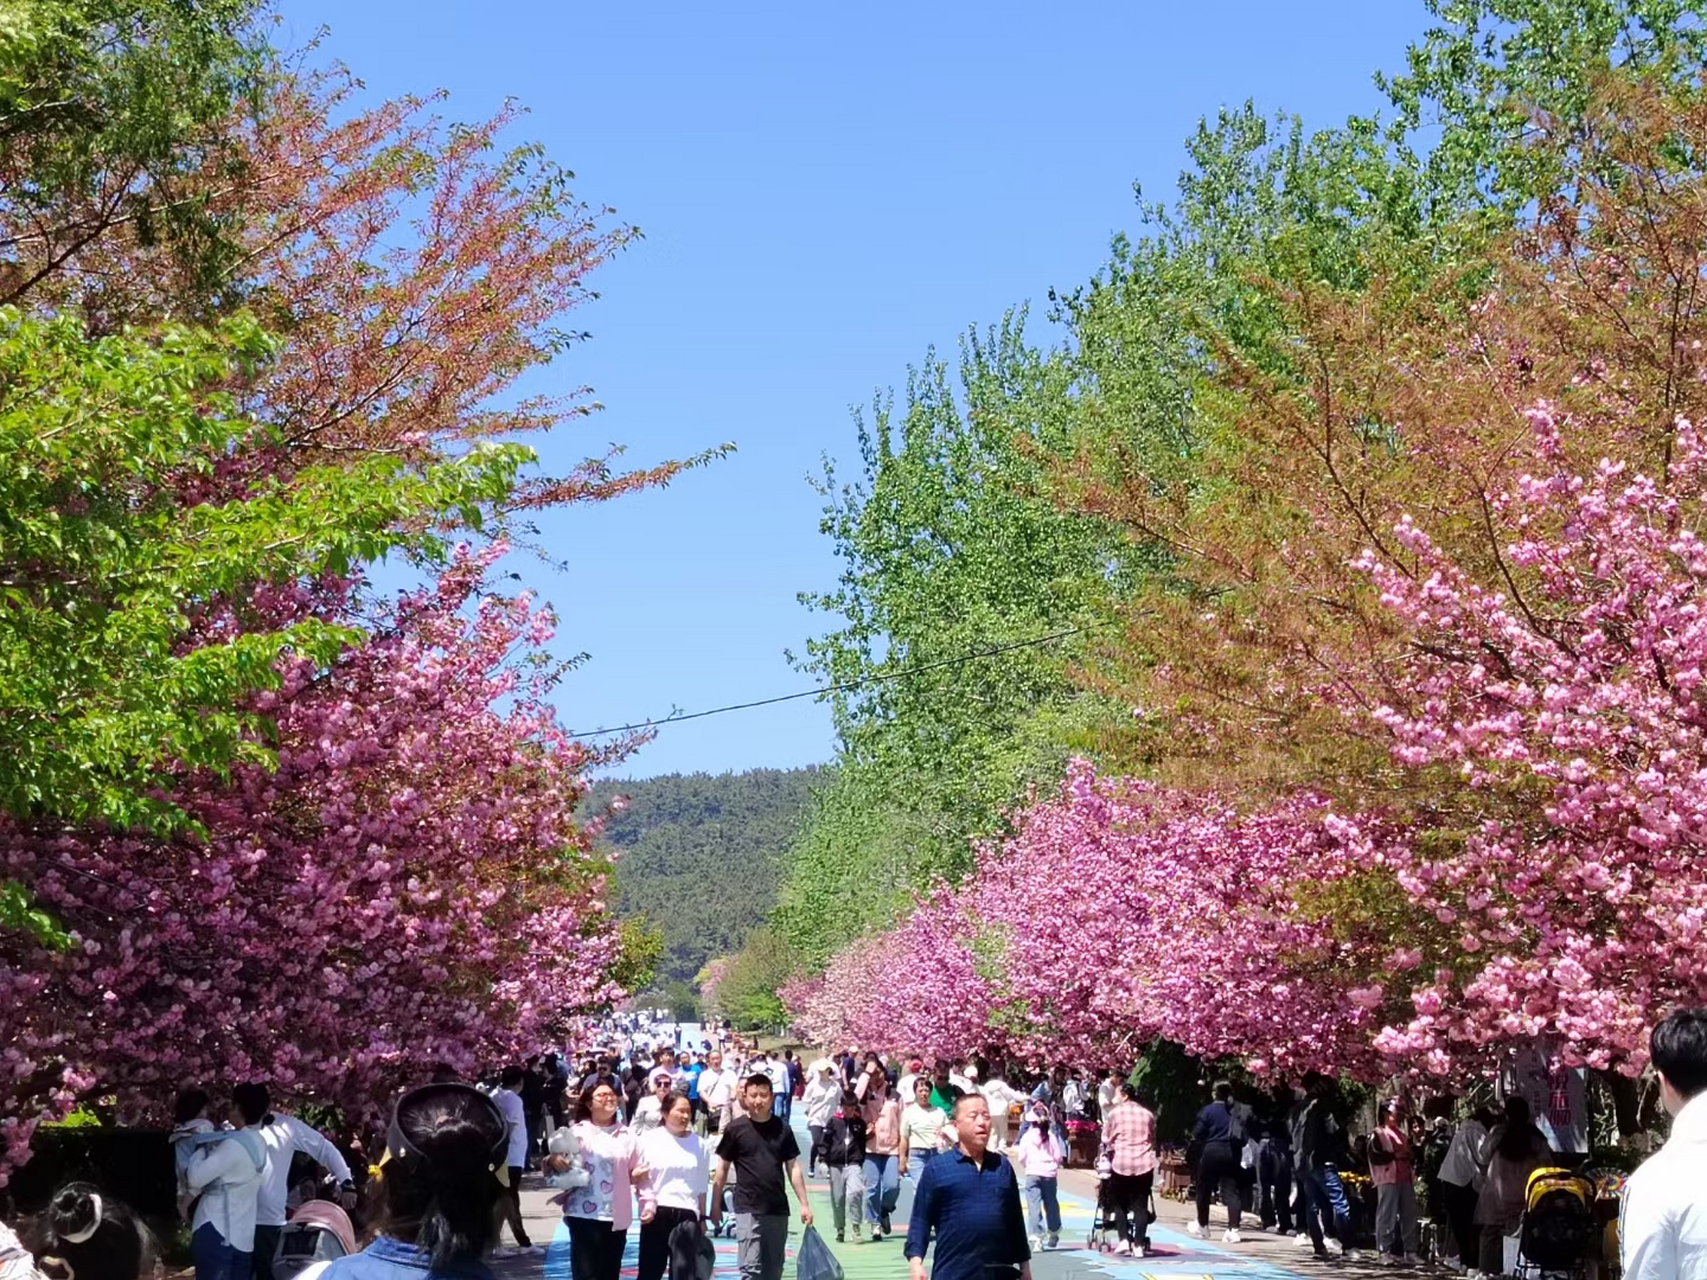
<point>1559,1224</point>
<point>318,1233</point>
<point>1105,1222</point>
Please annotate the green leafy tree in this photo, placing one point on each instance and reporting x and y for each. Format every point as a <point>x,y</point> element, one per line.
<point>137,619</point>
<point>746,993</point>
<point>114,114</point>
<point>955,565</point>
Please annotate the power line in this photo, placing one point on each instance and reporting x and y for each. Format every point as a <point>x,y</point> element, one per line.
<point>831,688</point>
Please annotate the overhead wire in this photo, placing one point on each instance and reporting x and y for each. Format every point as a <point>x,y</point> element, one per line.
<point>830,688</point>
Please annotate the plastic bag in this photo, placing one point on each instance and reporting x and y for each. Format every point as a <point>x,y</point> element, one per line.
<point>815,1261</point>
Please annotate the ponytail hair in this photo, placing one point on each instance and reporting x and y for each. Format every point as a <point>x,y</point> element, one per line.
<point>438,1187</point>
<point>83,1235</point>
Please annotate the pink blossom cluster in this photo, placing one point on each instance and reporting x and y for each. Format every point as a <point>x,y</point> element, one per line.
<point>1555,697</point>
<point>1573,692</point>
<point>408,886</point>
<point>1117,912</point>
<point>711,979</point>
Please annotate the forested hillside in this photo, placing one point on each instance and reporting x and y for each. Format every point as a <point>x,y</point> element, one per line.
<point>700,856</point>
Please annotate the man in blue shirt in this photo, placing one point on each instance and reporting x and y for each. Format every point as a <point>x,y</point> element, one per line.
<point>970,1198</point>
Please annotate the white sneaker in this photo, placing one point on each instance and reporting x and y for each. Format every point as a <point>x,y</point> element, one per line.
<point>505,1251</point>
<point>1352,1255</point>
<point>1230,1236</point>
<point>1122,1248</point>
<point>1302,1240</point>
<point>1192,1229</point>
<point>1036,1243</point>
<point>1333,1246</point>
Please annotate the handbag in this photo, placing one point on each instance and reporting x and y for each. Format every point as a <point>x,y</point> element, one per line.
<point>692,1255</point>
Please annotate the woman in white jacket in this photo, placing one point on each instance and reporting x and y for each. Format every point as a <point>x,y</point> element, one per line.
<point>821,1100</point>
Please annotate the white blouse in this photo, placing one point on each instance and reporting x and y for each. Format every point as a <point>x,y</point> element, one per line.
<point>678,1166</point>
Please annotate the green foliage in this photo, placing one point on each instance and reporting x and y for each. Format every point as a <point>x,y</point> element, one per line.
<point>697,856</point>
<point>950,547</point>
<point>107,108</point>
<point>747,995</point>
<point>118,668</point>
<point>953,537</point>
<point>1466,105</point>
<point>676,995</point>
<point>20,915</point>
<point>642,947</point>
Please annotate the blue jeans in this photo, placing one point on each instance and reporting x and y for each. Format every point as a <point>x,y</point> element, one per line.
<point>917,1159</point>
<point>1320,1213</point>
<point>882,1187</point>
<point>217,1260</point>
<point>1041,1196</point>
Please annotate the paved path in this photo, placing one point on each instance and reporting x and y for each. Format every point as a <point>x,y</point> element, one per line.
<point>1176,1256</point>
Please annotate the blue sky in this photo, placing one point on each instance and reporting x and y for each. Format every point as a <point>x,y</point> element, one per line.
<point>824,191</point>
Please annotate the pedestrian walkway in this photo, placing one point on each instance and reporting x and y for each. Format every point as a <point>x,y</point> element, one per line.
<point>1176,1256</point>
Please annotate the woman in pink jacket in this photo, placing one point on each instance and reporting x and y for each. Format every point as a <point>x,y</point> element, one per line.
<point>1395,1183</point>
<point>1038,1157</point>
<point>598,1214</point>
<point>882,1114</point>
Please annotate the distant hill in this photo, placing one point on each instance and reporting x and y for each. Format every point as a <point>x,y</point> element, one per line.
<point>700,855</point>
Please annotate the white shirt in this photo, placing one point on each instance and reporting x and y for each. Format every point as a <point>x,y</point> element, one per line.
<point>1663,1226</point>
<point>920,1126</point>
<point>904,1086</point>
<point>287,1134</point>
<point>224,1172</point>
<point>715,1087</point>
<point>648,1114</point>
<point>822,1098</point>
<point>510,1106</point>
<point>678,1166</point>
<point>1108,1094</point>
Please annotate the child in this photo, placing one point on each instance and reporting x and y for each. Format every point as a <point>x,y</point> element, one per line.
<point>1038,1158</point>
<point>842,1152</point>
<point>189,1115</point>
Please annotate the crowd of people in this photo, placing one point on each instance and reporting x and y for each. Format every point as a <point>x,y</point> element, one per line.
<point>666,1139</point>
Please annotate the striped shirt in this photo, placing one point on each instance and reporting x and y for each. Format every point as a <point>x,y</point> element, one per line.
<point>1129,1137</point>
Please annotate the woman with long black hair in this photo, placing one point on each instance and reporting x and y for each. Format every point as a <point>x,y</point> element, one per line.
<point>84,1235</point>
<point>435,1196</point>
<point>1515,1149</point>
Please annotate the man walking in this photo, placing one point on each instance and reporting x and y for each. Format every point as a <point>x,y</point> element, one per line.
<point>509,1100</point>
<point>969,1199</point>
<point>764,1154</point>
<point>283,1136</point>
<point>716,1093</point>
<point>1663,1230</point>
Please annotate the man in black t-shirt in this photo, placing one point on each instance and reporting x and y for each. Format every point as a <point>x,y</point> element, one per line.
<point>764,1153</point>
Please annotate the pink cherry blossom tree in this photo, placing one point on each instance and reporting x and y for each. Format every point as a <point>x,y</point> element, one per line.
<point>410,885</point>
